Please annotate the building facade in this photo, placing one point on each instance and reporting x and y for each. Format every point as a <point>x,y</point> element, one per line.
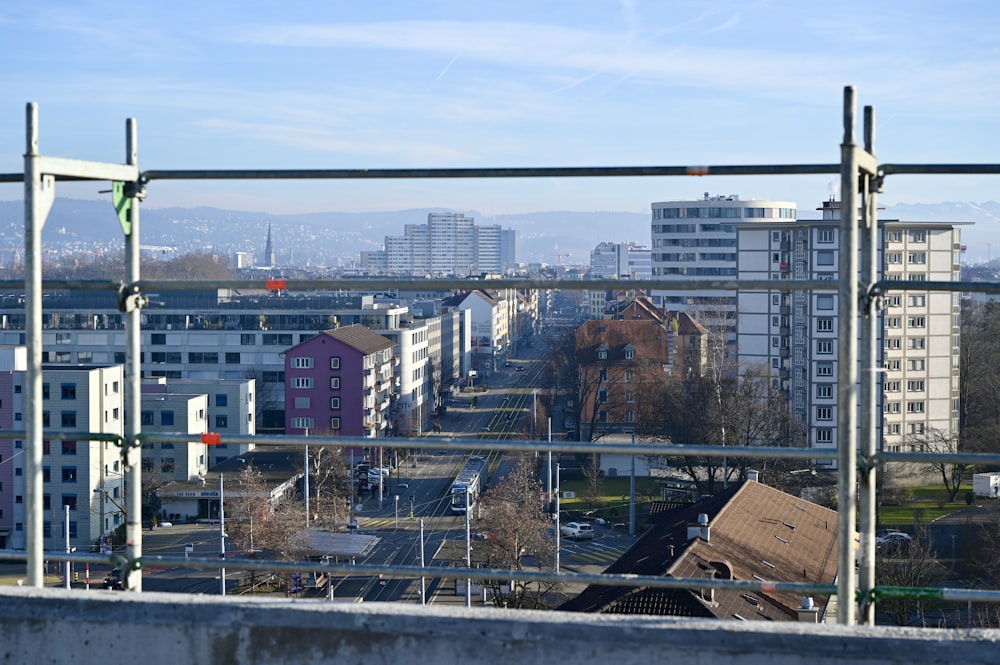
<point>340,382</point>
<point>795,334</point>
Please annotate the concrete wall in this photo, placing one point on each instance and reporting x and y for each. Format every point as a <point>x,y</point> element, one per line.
<point>57,626</point>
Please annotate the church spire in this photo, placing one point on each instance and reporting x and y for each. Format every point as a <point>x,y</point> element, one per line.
<point>269,248</point>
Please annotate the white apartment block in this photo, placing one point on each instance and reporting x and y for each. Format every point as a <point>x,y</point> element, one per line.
<point>612,260</point>
<point>448,244</point>
<point>697,240</point>
<point>173,413</point>
<point>84,476</point>
<point>794,333</point>
<point>231,411</point>
<point>415,399</point>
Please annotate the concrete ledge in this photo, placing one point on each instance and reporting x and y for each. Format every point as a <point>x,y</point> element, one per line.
<point>59,626</point>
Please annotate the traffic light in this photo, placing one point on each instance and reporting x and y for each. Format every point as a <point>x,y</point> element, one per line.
<point>76,576</point>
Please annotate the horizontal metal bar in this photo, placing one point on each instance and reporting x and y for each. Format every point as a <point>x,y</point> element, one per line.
<point>522,172</point>
<point>85,170</point>
<point>937,169</point>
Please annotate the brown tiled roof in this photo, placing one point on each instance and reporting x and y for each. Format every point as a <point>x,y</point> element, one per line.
<point>361,338</point>
<point>755,532</point>
<point>648,337</point>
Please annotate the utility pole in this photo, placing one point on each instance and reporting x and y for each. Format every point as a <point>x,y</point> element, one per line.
<point>468,551</point>
<point>69,564</point>
<point>557,518</point>
<point>222,538</point>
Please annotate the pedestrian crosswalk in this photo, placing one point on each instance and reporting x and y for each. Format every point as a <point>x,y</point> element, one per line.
<point>599,552</point>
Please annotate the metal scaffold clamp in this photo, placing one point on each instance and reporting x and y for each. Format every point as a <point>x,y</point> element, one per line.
<point>130,298</point>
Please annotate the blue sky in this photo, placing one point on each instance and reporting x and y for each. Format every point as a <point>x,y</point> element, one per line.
<point>336,84</point>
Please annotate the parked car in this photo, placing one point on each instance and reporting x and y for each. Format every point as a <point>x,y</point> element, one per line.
<point>578,530</point>
<point>520,368</point>
<point>893,541</point>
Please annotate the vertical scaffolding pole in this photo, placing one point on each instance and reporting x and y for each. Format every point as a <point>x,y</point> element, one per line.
<point>133,381</point>
<point>39,193</point>
<point>871,377</point>
<point>847,374</point>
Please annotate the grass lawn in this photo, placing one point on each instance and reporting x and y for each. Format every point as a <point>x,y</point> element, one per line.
<point>614,500</point>
<point>926,504</point>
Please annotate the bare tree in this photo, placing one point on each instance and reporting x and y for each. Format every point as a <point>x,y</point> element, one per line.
<point>259,520</point>
<point>512,514</point>
<point>912,565</point>
<point>938,441</point>
<point>328,484</point>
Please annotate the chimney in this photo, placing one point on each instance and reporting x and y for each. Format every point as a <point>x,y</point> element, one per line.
<point>753,476</point>
<point>700,529</point>
<point>808,612</point>
<point>708,593</point>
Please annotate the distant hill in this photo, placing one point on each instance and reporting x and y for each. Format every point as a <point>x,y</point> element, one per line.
<point>337,238</point>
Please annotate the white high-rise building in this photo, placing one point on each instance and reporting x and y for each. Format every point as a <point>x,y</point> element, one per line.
<point>697,240</point>
<point>794,333</point>
<point>448,244</point>
<point>625,260</point>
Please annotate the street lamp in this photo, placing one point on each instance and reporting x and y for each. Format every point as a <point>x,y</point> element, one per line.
<point>396,497</point>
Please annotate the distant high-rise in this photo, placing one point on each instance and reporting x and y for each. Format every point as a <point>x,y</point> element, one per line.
<point>448,244</point>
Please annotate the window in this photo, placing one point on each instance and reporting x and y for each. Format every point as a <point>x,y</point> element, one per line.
<point>272,339</point>
<point>916,428</point>
<point>629,395</point>
<point>203,358</point>
<point>46,419</point>
<point>68,418</point>
<point>824,258</point>
<point>233,358</point>
<point>915,385</point>
<point>630,416</point>
<point>602,416</point>
<point>824,346</point>
<point>915,365</point>
<point>602,395</point>
<point>894,236</point>
<point>917,258</point>
<point>167,465</point>
<point>248,339</point>
<point>824,324</point>
<point>302,423</point>
<point>69,447</point>
<point>334,423</point>
<point>916,322</point>
<point>146,418</point>
<point>893,343</point>
<point>69,500</point>
<point>915,343</point>
<point>890,407</point>
<point>302,363</point>
<point>893,322</point>
<point>914,407</point>
<point>274,377</point>
<point>68,390</point>
<point>335,362</point>
<point>166,418</point>
<point>603,374</point>
<point>334,403</point>
<point>824,302</point>
<point>824,390</point>
<point>824,235</point>
<point>302,402</point>
<point>824,413</point>
<point>892,365</point>
<point>222,421</point>
<point>334,383</point>
<point>824,435</point>
<point>629,375</point>
<point>69,474</point>
<point>824,369</point>
<point>918,236</point>
<point>892,428</point>
<point>916,301</point>
<point>158,339</point>
<point>891,386</point>
<point>629,352</point>
<point>302,382</point>
<point>45,391</point>
<point>46,474</point>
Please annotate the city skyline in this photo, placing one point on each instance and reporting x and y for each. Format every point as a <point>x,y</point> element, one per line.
<point>226,85</point>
